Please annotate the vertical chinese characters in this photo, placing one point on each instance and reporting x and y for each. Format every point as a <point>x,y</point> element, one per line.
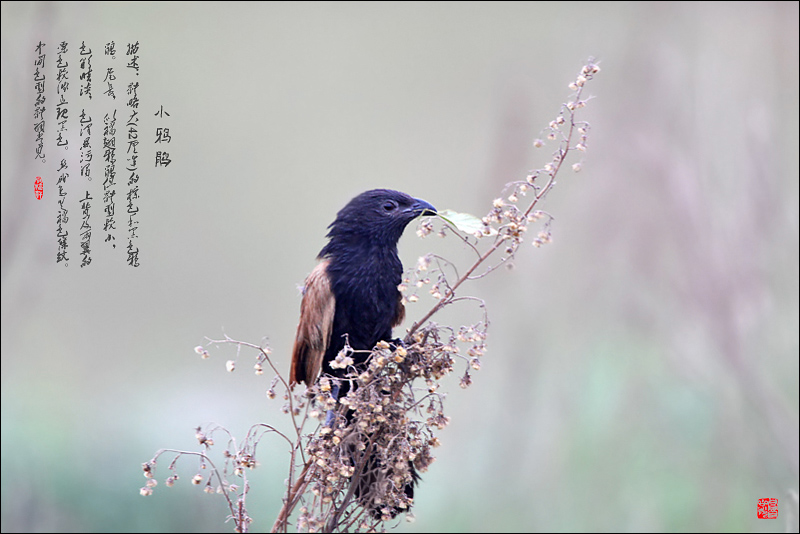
<point>133,56</point>
<point>75,126</point>
<point>110,76</point>
<point>132,157</point>
<point>62,114</point>
<point>63,217</point>
<point>62,85</point>
<point>39,108</point>
<point>86,71</point>
<point>86,155</point>
<point>86,231</point>
<point>109,189</point>
<point>162,136</point>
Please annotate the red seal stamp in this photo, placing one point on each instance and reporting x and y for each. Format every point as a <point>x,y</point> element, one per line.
<point>767,508</point>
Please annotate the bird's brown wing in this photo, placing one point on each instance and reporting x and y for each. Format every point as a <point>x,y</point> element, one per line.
<point>314,329</point>
<point>400,313</point>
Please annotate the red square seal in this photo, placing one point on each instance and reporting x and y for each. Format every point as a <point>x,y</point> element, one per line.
<point>768,508</point>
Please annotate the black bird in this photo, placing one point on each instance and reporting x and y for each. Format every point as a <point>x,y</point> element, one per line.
<point>353,291</point>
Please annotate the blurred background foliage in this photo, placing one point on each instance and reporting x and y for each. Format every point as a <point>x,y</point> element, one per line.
<point>642,371</point>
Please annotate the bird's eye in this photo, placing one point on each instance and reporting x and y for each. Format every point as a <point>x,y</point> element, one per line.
<point>390,205</point>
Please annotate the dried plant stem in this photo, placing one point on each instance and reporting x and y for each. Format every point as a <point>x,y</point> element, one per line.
<point>291,499</point>
<point>334,520</point>
<point>563,151</point>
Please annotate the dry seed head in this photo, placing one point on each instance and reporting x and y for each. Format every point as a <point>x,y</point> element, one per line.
<point>325,384</point>
<point>538,143</point>
<point>466,381</point>
<point>590,69</point>
<point>424,228</point>
<point>230,365</point>
<point>197,479</point>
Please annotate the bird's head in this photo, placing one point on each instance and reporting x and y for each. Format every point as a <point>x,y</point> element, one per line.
<point>379,215</point>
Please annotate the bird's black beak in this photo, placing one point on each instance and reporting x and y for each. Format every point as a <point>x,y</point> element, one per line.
<point>420,207</point>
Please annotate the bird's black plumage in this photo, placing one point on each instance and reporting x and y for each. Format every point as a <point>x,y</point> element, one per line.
<point>365,269</point>
<point>352,295</point>
<point>362,269</point>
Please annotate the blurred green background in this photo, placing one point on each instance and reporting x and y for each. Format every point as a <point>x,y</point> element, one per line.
<point>642,371</point>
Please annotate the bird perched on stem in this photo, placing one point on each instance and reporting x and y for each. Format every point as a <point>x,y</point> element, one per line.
<point>351,296</point>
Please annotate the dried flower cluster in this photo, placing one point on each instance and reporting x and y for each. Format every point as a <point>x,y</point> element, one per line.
<point>384,425</point>
<point>349,473</point>
<point>236,461</point>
